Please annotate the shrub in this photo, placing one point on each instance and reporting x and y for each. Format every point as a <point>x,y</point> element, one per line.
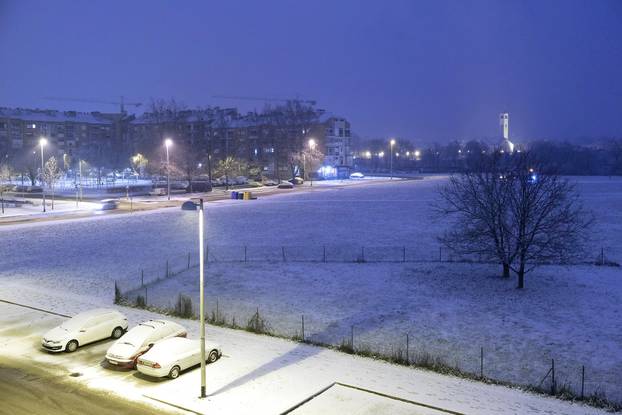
<point>140,302</point>
<point>183,307</point>
<point>258,324</point>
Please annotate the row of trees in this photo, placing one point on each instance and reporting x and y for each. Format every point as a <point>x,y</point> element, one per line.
<point>48,177</point>
<point>515,210</point>
<point>600,158</point>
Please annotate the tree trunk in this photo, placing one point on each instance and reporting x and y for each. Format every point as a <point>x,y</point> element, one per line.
<point>521,276</point>
<point>506,270</point>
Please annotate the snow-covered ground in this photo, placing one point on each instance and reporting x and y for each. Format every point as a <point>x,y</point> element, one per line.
<point>266,374</point>
<point>448,310</point>
<point>459,307</point>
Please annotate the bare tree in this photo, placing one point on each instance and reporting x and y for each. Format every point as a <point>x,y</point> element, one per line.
<point>231,166</point>
<point>515,210</point>
<point>51,174</point>
<point>6,173</point>
<point>479,199</point>
<point>139,163</point>
<point>290,123</point>
<point>549,222</point>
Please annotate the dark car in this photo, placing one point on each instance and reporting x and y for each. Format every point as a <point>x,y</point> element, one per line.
<point>199,186</point>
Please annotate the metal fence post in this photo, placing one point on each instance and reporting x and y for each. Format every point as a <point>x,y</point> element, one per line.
<point>244,253</point>
<point>303,327</point>
<point>404,254</point>
<point>283,251</point>
<point>363,253</point>
<point>352,338</point>
<point>142,277</point>
<point>407,350</point>
<point>188,260</point>
<point>553,386</point>
<point>167,268</point>
<point>481,363</point>
<point>440,254</point>
<point>582,381</point>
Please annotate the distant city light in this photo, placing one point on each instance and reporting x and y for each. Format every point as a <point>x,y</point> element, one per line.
<point>368,154</point>
<point>312,143</point>
<point>407,153</point>
<point>168,142</point>
<point>417,153</point>
<point>381,154</point>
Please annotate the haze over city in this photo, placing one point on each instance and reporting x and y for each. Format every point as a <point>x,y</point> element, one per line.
<point>435,70</point>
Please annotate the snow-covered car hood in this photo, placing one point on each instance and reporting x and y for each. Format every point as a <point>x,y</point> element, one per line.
<point>122,350</point>
<point>56,334</point>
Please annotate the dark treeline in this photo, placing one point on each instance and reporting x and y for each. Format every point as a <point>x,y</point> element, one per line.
<point>603,158</point>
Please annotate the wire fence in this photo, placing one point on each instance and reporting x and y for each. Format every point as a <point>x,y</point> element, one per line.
<point>488,363</point>
<point>166,268</point>
<point>141,289</point>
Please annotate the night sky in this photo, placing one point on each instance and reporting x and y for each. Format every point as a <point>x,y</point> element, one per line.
<point>423,70</point>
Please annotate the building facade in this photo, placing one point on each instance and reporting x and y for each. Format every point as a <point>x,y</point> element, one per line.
<point>201,137</point>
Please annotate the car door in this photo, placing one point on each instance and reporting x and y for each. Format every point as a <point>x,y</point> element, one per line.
<point>190,356</point>
<point>102,327</point>
<point>88,331</point>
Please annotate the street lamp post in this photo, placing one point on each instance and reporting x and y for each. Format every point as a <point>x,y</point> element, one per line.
<point>190,205</point>
<point>392,143</point>
<point>167,144</point>
<point>80,168</point>
<point>312,147</point>
<point>42,142</point>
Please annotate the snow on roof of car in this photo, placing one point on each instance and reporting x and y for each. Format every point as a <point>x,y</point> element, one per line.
<point>80,318</point>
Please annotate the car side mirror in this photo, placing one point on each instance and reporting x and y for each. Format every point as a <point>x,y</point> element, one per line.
<point>150,345</point>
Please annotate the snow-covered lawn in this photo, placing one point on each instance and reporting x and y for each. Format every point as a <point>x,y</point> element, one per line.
<point>567,314</point>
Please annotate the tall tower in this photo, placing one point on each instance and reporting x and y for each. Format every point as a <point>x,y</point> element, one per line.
<point>506,145</point>
<point>504,121</point>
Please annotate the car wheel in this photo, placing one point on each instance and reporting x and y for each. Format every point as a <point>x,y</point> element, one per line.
<point>213,356</point>
<point>174,373</point>
<point>117,332</point>
<point>72,346</point>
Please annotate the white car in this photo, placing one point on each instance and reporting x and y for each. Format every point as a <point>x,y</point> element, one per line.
<point>357,175</point>
<point>169,357</point>
<point>125,351</point>
<point>84,328</point>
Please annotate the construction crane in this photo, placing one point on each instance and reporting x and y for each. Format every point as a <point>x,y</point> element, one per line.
<point>121,103</point>
<point>306,101</point>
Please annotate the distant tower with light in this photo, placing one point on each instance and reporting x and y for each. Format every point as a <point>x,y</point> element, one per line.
<point>506,145</point>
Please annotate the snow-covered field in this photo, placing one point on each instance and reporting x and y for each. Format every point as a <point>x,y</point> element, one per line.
<point>450,309</point>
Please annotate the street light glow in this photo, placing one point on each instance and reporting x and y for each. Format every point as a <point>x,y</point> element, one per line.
<point>43,141</point>
<point>311,143</point>
<point>381,154</point>
<point>168,142</point>
<point>392,142</point>
<point>417,153</point>
<point>368,154</point>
